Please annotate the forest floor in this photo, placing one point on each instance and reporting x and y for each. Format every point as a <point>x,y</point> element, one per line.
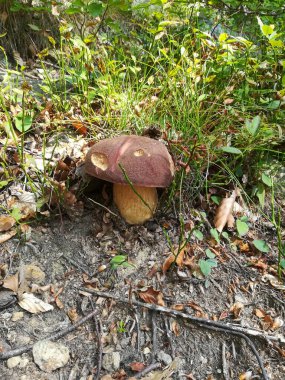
<point>71,254</point>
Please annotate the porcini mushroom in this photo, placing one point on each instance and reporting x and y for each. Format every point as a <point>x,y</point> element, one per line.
<point>136,165</point>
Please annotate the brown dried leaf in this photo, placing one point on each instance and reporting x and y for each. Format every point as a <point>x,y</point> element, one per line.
<point>259,313</point>
<point>137,366</point>
<point>178,307</point>
<point>224,212</point>
<point>236,309</point>
<point>152,296</point>
<point>277,323</point>
<point>73,315</point>
<point>175,328</point>
<point>228,101</point>
<point>12,282</point>
<point>176,257</point>
<point>7,235</point>
<point>246,375</point>
<point>6,222</point>
<point>33,304</point>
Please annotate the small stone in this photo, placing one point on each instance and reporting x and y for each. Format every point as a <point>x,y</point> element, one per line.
<point>50,355</point>
<point>164,357</point>
<point>13,362</point>
<point>146,351</point>
<point>17,316</point>
<point>111,361</point>
<point>24,362</point>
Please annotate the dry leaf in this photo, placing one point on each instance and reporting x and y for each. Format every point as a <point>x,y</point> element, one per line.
<point>228,101</point>
<point>80,128</point>
<point>259,313</point>
<point>246,375</point>
<point>137,366</point>
<point>236,309</point>
<point>175,328</point>
<point>174,257</point>
<point>11,282</point>
<point>277,323</point>
<point>73,315</point>
<point>178,307</point>
<point>33,304</point>
<point>7,235</point>
<point>224,212</point>
<point>6,222</point>
<point>152,296</point>
<point>273,281</point>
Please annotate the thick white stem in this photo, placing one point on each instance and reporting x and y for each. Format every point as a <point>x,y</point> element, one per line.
<point>131,207</point>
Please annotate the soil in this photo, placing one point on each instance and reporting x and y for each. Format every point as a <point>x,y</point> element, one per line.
<point>74,253</point>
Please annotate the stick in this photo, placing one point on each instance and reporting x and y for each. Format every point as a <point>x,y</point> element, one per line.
<point>154,336</point>
<point>147,370</point>
<point>201,322</point>
<point>55,336</point>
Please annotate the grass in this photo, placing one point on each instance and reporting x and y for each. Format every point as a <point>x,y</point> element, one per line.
<point>218,102</point>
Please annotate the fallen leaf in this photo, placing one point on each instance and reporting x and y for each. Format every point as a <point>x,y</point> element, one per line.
<point>236,309</point>
<point>259,313</point>
<point>175,328</point>
<point>273,281</point>
<point>176,257</point>
<point>277,323</point>
<point>11,282</point>
<point>178,307</point>
<point>246,375</point>
<point>228,101</point>
<point>137,366</point>
<point>152,296</point>
<point>73,315</point>
<point>33,304</point>
<point>259,264</point>
<point>6,222</point>
<point>224,212</point>
<point>7,235</point>
<point>80,128</point>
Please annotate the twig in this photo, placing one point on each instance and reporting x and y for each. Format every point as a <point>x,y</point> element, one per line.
<point>104,207</point>
<point>201,322</point>
<point>98,327</point>
<point>168,334</point>
<point>147,370</point>
<point>55,336</point>
<point>225,363</point>
<point>76,265</point>
<point>154,336</point>
<point>138,333</point>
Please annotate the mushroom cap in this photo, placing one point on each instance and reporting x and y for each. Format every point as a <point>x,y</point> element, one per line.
<point>145,161</point>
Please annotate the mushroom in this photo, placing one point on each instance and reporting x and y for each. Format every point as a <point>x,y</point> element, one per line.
<point>136,166</point>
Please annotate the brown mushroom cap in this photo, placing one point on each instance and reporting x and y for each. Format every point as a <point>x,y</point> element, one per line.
<point>145,161</point>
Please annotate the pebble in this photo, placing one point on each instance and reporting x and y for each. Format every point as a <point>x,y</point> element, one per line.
<point>164,357</point>
<point>50,355</point>
<point>13,362</point>
<point>17,316</point>
<point>111,361</point>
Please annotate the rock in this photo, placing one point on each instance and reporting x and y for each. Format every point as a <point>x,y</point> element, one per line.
<point>13,362</point>
<point>17,316</point>
<point>24,362</point>
<point>111,361</point>
<point>164,357</point>
<point>50,355</point>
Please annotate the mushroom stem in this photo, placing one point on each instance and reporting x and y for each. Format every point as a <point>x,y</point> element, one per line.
<point>129,202</point>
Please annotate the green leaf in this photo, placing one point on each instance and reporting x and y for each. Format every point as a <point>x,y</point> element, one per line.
<point>253,126</point>
<point>34,27</point>
<point>16,214</point>
<point>261,194</point>
<point>267,29</point>
<point>210,254</point>
<point>242,227</point>
<point>266,179</point>
<point>231,149</point>
<point>215,234</point>
<point>274,105</point>
<point>198,234</point>
<point>23,125</point>
<point>95,9</point>
<point>282,263</point>
<point>225,235</point>
<point>3,184</point>
<point>261,245</point>
<point>205,267</point>
<point>216,199</point>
